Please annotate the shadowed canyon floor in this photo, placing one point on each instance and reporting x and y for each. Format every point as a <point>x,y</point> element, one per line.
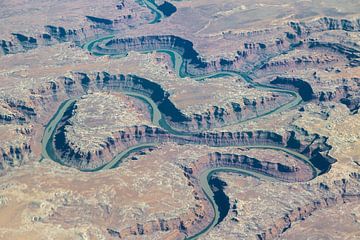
<point>152,119</point>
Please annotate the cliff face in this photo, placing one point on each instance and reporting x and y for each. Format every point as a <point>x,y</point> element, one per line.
<point>167,8</point>
<point>52,35</point>
<point>214,117</point>
<point>345,91</point>
<point>15,111</point>
<point>56,34</point>
<point>232,113</point>
<point>347,94</point>
<point>289,38</point>
<point>304,88</point>
<point>338,192</point>
<point>23,119</point>
<point>298,62</point>
<point>352,54</point>
<point>201,216</point>
<point>295,36</point>
<point>151,43</point>
<point>14,155</point>
<point>79,83</point>
<point>278,170</point>
<point>325,24</point>
<point>128,14</point>
<point>59,34</point>
<point>314,147</point>
<point>18,118</point>
<point>193,64</point>
<point>100,22</point>
<point>151,227</point>
<point>185,225</point>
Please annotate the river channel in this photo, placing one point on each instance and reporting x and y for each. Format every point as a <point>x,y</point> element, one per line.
<point>48,151</point>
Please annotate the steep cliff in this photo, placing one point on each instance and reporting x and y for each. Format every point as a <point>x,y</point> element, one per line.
<point>202,215</point>
<point>352,54</point>
<point>313,146</point>
<point>194,63</point>
<point>299,85</point>
<point>325,24</point>
<point>338,192</point>
<point>213,117</point>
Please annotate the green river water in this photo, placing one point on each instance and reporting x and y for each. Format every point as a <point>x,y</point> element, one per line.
<point>158,120</point>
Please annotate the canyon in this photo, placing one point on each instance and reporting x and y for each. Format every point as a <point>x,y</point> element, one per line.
<point>158,119</point>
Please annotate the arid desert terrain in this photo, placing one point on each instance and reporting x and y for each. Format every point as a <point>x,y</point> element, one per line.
<point>179,119</point>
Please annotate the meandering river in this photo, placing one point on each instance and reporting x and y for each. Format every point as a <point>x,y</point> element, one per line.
<point>48,151</point>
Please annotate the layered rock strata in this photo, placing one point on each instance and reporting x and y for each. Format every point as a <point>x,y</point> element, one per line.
<point>194,64</point>
<point>128,14</point>
<point>214,117</point>
<point>339,192</point>
<point>202,215</point>
<point>313,146</point>
<point>285,207</point>
<point>81,83</point>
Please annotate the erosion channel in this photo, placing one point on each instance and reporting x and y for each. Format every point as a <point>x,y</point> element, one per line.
<point>179,135</point>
